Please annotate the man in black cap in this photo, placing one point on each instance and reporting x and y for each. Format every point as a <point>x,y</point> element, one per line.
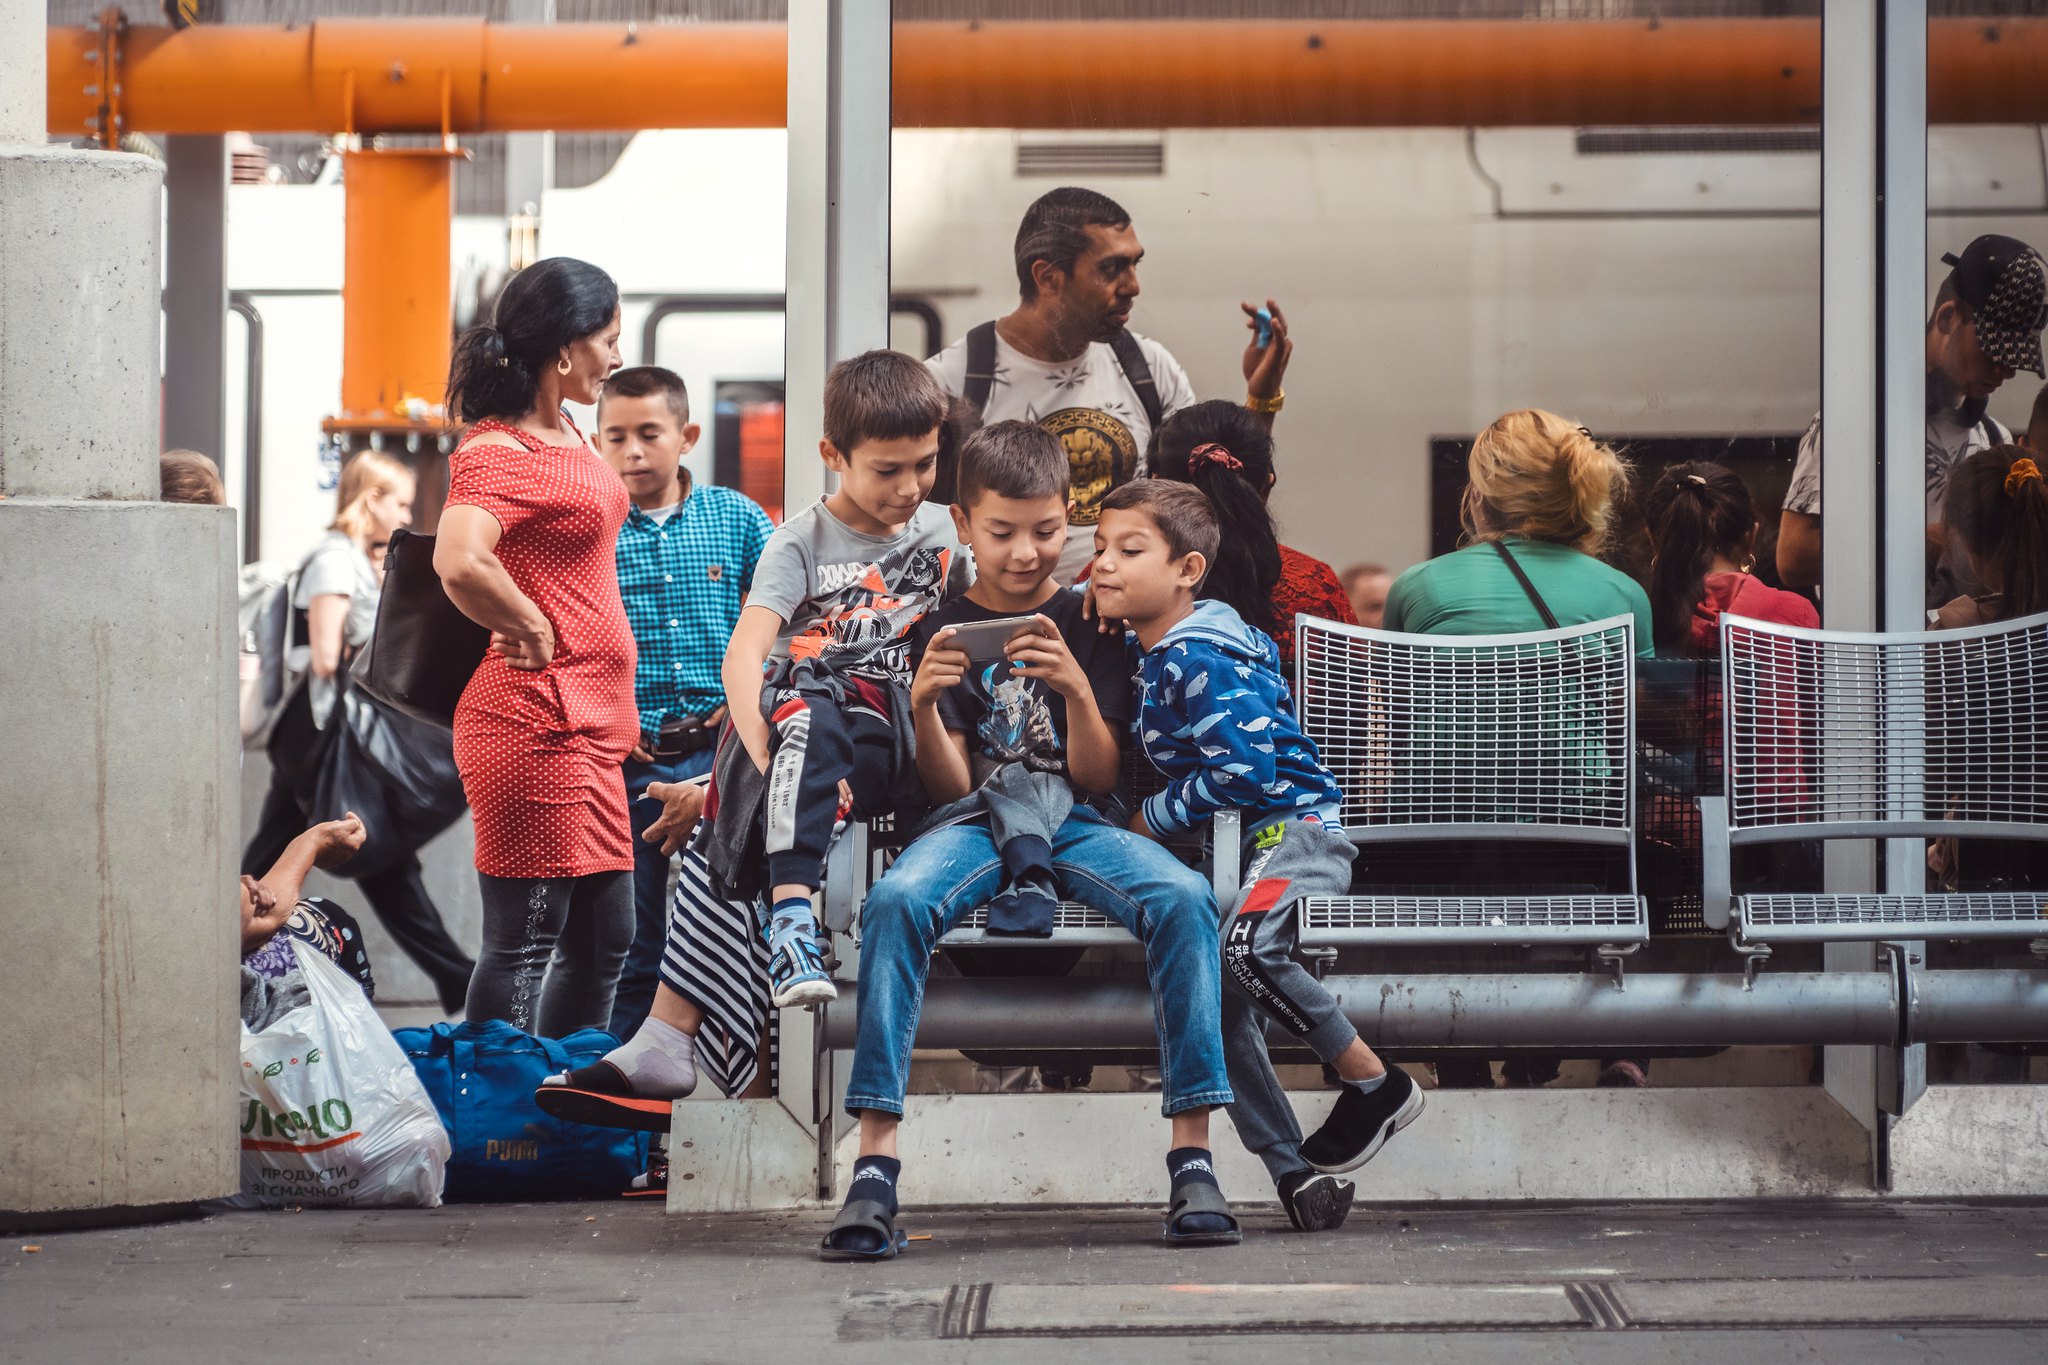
<point>1986,327</point>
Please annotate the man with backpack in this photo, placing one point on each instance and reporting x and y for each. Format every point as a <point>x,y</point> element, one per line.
<point>1066,359</point>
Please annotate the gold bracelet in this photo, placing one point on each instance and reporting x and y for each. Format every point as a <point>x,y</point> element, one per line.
<point>1266,405</point>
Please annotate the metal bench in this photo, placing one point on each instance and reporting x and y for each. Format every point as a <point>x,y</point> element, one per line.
<point>1831,735</point>
<point>1510,742</point>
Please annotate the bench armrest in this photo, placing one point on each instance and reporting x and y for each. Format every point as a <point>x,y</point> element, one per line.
<point>1716,877</point>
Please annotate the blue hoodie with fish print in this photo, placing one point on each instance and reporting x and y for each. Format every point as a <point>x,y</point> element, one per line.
<point>1215,716</point>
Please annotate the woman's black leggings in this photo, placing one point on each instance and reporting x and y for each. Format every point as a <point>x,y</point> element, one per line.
<point>553,949</point>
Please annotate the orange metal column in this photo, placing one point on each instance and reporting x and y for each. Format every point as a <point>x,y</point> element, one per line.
<point>395,336</point>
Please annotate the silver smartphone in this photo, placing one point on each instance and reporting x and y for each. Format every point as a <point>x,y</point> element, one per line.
<point>983,641</point>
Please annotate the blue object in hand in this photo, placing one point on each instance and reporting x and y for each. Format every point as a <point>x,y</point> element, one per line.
<point>1264,321</point>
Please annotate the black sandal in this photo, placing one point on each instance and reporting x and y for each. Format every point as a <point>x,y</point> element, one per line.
<point>864,1215</point>
<point>600,1096</point>
<point>1200,1198</point>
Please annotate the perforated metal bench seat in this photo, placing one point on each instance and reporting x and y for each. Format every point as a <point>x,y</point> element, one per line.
<point>1869,918</point>
<point>1073,926</point>
<point>1337,921</point>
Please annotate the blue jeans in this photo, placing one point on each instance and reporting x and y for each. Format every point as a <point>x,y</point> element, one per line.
<point>650,888</point>
<point>947,873</point>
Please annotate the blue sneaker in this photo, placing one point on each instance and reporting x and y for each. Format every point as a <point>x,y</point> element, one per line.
<point>796,965</point>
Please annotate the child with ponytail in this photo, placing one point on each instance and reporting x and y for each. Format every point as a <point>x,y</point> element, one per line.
<point>1223,449</point>
<point>1703,530</point>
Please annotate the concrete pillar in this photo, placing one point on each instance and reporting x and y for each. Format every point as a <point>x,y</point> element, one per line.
<point>24,94</point>
<point>117,713</point>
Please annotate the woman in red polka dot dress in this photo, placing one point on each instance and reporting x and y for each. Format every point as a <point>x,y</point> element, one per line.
<point>525,547</point>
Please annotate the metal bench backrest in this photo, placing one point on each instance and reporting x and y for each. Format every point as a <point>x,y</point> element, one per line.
<point>1836,735</point>
<point>1527,736</point>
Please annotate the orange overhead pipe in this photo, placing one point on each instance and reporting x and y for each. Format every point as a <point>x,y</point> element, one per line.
<point>384,75</point>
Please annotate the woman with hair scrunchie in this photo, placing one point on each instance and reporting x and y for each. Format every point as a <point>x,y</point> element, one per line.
<point>526,549</point>
<point>1227,452</point>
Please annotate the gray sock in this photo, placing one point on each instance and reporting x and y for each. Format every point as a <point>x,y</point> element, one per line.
<point>1368,1085</point>
<point>660,1060</point>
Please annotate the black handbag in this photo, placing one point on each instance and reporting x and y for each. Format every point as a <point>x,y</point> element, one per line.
<point>423,650</point>
<point>396,772</point>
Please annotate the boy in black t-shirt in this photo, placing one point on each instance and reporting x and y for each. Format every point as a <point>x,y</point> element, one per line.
<point>1050,707</point>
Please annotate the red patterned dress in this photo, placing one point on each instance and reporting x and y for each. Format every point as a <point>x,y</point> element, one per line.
<point>540,753</point>
<point>1305,584</point>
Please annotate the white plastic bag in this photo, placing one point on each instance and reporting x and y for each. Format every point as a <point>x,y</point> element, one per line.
<point>331,1112</point>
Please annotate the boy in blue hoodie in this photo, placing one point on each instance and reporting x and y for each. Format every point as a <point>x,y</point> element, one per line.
<point>1214,715</point>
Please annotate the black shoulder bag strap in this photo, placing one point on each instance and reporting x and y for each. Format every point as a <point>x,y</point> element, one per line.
<point>981,366</point>
<point>1132,357</point>
<point>1542,608</point>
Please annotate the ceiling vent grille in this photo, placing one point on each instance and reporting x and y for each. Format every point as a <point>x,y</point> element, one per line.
<point>1696,141</point>
<point>1084,160</point>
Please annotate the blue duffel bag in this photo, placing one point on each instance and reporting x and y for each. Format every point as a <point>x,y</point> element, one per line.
<point>481,1078</point>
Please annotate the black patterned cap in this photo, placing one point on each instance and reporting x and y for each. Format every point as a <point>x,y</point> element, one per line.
<point>2001,281</point>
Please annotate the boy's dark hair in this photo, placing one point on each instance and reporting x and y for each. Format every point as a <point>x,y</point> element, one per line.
<point>1055,229</point>
<point>1694,512</point>
<point>963,419</point>
<point>496,368</point>
<point>1181,511</point>
<point>1013,460</point>
<point>881,396</point>
<point>1222,449</point>
<point>1997,505</point>
<point>648,381</point>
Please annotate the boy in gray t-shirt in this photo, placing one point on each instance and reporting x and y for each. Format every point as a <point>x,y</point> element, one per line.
<point>818,671</point>
<point>816,677</point>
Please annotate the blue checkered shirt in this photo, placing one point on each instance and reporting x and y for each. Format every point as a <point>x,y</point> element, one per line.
<point>683,583</point>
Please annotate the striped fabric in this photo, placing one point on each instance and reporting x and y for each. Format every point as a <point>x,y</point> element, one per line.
<point>717,958</point>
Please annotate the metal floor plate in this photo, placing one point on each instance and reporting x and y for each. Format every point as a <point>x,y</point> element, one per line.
<point>1173,1309</point>
<point>1979,1300</point>
<point>1112,1310</point>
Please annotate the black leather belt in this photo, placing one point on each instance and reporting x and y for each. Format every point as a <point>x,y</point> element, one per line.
<point>687,740</point>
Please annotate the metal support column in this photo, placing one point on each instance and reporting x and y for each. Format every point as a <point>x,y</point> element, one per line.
<point>1902,288</point>
<point>529,160</point>
<point>196,294</point>
<point>838,305</point>
<point>838,271</point>
<point>1851,67</point>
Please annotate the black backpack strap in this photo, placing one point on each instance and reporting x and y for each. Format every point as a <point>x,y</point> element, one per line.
<point>981,366</point>
<point>1132,357</point>
<point>1542,608</point>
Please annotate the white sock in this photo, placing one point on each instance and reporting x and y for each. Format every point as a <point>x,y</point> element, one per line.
<point>1368,1085</point>
<point>660,1060</point>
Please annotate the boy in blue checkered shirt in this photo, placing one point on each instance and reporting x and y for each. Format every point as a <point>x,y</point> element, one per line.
<point>686,563</point>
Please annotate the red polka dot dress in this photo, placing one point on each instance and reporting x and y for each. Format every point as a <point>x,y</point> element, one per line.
<point>540,753</point>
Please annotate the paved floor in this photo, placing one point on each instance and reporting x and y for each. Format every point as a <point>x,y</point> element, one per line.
<point>602,1283</point>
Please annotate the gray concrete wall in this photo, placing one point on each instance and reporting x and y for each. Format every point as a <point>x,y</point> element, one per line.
<point>24,103</point>
<point>79,329</point>
<point>118,930</point>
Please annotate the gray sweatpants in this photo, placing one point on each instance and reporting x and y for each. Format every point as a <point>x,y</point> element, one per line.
<point>1262,983</point>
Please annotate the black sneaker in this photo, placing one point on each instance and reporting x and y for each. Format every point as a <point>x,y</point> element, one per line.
<point>1315,1202</point>
<point>1360,1124</point>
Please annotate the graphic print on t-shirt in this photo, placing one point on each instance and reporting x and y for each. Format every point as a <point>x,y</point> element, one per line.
<point>865,625</point>
<point>1016,725</point>
<point>1101,454</point>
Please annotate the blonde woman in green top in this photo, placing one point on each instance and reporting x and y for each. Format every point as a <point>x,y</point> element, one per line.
<point>1543,490</point>
<point>1540,494</point>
